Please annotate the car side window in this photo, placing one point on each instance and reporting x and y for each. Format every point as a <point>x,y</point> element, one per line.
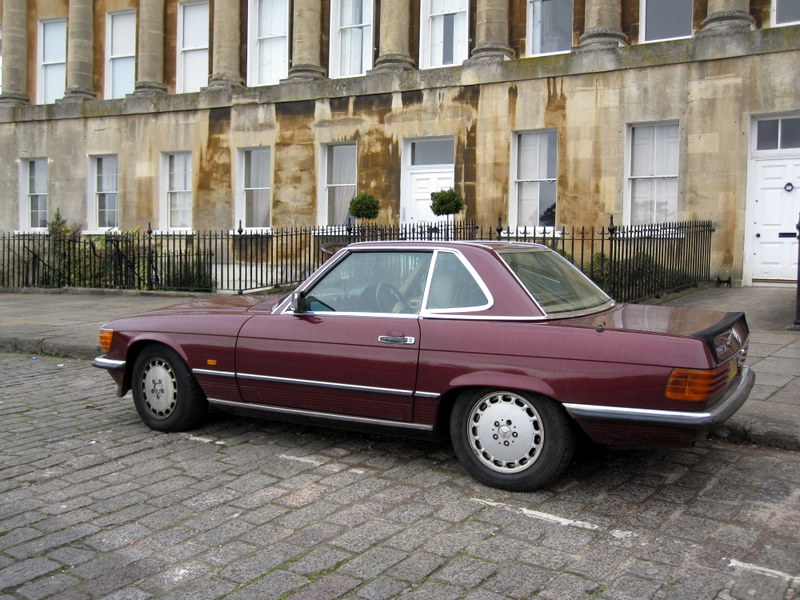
<point>373,282</point>
<point>453,285</point>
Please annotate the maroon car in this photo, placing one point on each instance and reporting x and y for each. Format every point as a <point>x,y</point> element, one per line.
<point>504,346</point>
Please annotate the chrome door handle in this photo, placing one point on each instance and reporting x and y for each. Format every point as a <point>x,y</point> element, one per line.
<point>396,340</point>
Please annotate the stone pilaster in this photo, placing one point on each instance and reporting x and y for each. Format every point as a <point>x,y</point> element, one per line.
<point>394,54</point>
<point>150,49</point>
<point>80,51</point>
<point>307,36</point>
<point>491,43</point>
<point>225,59</point>
<point>15,49</point>
<point>725,16</point>
<point>603,24</point>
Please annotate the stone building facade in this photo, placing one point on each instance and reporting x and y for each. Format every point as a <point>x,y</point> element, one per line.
<point>216,114</point>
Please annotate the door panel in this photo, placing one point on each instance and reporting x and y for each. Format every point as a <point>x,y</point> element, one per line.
<point>331,363</point>
<point>776,208</point>
<point>423,182</point>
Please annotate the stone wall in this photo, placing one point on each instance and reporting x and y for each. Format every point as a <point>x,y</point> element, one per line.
<point>711,85</point>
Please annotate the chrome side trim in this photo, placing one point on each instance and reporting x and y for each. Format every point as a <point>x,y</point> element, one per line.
<point>426,314</point>
<point>378,315</point>
<point>327,384</point>
<point>717,413</point>
<point>101,362</point>
<point>212,372</point>
<point>320,414</point>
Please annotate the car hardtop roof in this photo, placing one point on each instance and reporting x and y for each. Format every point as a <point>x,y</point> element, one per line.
<point>493,245</point>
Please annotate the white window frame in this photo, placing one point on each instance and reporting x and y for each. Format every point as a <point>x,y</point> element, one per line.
<point>517,181</point>
<point>94,192</point>
<point>240,207</point>
<point>324,214</point>
<point>187,79</point>
<point>781,150</point>
<point>667,135</point>
<point>44,95</point>
<point>25,194</point>
<point>120,22</point>
<point>170,193</point>
<point>429,22</point>
<point>643,36</point>
<point>256,39</point>
<point>535,26</point>
<point>338,64</point>
<point>1,59</point>
<point>774,12</point>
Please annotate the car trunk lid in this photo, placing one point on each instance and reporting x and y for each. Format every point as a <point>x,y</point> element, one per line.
<point>725,333</point>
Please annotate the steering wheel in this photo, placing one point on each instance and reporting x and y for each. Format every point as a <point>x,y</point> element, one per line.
<point>389,299</point>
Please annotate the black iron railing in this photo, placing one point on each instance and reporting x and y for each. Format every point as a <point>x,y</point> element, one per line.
<point>630,263</point>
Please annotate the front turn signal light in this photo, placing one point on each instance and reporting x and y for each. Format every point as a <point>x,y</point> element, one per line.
<point>699,385</point>
<point>105,339</point>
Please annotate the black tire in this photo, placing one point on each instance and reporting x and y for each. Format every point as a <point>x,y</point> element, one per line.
<point>511,440</point>
<point>165,393</point>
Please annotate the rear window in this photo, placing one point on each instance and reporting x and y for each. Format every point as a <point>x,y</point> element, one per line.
<point>453,286</point>
<point>557,285</point>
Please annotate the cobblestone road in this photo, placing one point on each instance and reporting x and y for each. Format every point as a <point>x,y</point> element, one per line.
<point>95,505</point>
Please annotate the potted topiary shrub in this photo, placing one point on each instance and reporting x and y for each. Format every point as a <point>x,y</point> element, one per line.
<point>364,206</point>
<point>446,202</point>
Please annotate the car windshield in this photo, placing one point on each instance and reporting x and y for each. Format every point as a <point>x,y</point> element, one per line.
<point>556,284</point>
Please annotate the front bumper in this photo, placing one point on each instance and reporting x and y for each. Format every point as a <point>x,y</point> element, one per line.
<point>717,413</point>
<point>101,362</point>
<point>115,368</point>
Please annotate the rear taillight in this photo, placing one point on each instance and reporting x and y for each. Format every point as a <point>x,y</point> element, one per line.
<point>700,385</point>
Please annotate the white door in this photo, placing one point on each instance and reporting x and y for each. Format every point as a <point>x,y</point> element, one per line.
<point>775,210</point>
<point>422,182</point>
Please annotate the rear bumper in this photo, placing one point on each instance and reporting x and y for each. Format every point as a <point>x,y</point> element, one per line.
<point>719,412</point>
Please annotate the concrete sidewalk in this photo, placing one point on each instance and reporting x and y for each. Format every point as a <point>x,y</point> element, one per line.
<point>66,324</point>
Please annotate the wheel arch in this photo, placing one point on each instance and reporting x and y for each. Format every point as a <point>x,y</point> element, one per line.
<point>135,348</point>
<point>490,381</point>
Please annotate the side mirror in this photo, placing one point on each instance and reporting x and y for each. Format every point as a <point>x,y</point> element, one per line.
<point>298,304</point>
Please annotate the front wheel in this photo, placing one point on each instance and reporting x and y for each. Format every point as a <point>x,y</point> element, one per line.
<point>511,440</point>
<point>165,393</point>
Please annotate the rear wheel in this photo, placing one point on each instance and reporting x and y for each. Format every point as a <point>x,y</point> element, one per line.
<point>511,440</point>
<point>166,395</point>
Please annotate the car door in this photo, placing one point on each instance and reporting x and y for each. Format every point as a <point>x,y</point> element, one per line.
<point>352,351</point>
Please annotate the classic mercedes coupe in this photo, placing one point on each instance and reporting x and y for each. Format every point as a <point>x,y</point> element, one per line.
<point>505,347</point>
